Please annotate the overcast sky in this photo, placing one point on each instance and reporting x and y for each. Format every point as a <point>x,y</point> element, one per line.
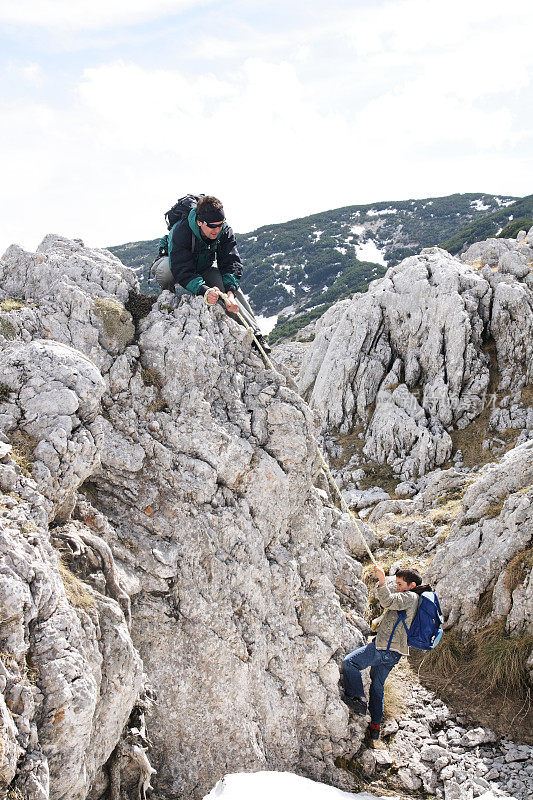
<point>112,109</point>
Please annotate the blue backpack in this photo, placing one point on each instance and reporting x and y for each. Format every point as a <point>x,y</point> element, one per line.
<point>426,628</point>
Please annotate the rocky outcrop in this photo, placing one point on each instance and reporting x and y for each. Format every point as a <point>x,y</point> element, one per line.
<point>69,674</point>
<point>477,531</point>
<point>489,548</point>
<point>409,361</point>
<point>178,476</point>
<point>433,751</point>
<point>232,558</point>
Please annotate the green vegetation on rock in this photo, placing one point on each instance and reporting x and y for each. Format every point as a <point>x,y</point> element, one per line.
<point>491,225</point>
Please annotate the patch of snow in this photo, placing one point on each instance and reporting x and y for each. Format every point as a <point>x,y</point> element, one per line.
<point>318,234</point>
<point>252,239</point>
<point>324,289</point>
<point>373,213</point>
<point>479,205</point>
<point>266,324</point>
<point>357,229</point>
<point>369,251</point>
<point>282,786</point>
<point>274,255</point>
<point>503,203</point>
<point>288,288</point>
<point>341,250</point>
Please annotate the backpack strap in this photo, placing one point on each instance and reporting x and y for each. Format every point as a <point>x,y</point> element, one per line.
<point>401,617</point>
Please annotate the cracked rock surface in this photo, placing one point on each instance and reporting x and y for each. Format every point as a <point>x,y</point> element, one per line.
<point>69,673</point>
<point>174,448</point>
<point>409,361</point>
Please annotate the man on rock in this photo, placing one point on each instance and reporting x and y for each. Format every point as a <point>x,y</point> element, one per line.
<point>192,257</point>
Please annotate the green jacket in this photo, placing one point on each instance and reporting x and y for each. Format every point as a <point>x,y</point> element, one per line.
<point>393,601</point>
<point>188,262</point>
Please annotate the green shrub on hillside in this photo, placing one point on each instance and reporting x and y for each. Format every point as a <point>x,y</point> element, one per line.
<point>513,229</point>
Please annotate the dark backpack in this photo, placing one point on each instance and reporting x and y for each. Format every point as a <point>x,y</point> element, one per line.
<point>425,631</point>
<point>181,209</point>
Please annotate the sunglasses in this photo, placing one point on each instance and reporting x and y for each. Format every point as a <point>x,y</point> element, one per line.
<point>213,224</point>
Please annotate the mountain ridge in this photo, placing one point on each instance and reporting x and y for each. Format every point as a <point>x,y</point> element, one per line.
<point>276,255</point>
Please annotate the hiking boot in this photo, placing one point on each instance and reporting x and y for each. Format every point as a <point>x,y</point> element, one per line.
<point>374,731</point>
<point>263,342</point>
<point>357,704</point>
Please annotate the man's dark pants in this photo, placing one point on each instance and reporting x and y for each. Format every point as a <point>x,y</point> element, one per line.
<point>380,662</point>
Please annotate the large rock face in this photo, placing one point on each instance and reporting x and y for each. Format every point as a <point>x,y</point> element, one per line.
<point>475,533</point>
<point>69,674</point>
<point>408,361</point>
<point>494,528</point>
<point>198,468</point>
<point>232,558</point>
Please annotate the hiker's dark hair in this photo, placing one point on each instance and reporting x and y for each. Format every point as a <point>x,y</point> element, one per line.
<point>412,576</point>
<point>409,576</point>
<point>208,207</point>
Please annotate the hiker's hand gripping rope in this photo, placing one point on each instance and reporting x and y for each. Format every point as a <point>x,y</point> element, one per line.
<point>345,504</point>
<point>212,296</point>
<point>231,303</point>
<point>380,574</point>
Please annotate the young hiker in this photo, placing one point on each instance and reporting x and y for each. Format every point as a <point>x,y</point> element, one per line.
<point>193,244</point>
<point>384,653</point>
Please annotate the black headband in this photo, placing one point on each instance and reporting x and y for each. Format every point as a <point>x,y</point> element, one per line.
<point>210,214</point>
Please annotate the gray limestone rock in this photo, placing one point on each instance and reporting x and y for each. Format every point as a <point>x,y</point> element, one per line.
<point>407,361</point>
<point>201,467</point>
<point>70,672</point>
<point>202,524</point>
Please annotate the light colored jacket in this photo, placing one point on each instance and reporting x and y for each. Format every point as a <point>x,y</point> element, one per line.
<point>392,602</point>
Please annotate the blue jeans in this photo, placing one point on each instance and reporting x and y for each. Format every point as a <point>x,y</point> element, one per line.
<point>380,662</point>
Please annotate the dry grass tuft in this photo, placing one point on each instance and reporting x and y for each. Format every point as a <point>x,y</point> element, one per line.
<point>490,660</point>
<point>448,656</point>
<point>484,606</point>
<point>395,693</point>
<point>77,592</point>
<point>9,304</point>
<point>518,569</point>
<point>23,449</point>
<point>446,512</point>
<point>499,660</point>
<point>151,377</point>
<point>14,794</point>
<point>495,509</point>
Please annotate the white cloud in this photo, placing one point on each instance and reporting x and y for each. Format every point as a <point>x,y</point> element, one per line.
<point>89,14</point>
<point>31,74</point>
<point>381,104</point>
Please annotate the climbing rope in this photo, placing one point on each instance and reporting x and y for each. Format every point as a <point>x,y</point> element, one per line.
<point>248,328</point>
<point>344,503</point>
<point>323,460</point>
